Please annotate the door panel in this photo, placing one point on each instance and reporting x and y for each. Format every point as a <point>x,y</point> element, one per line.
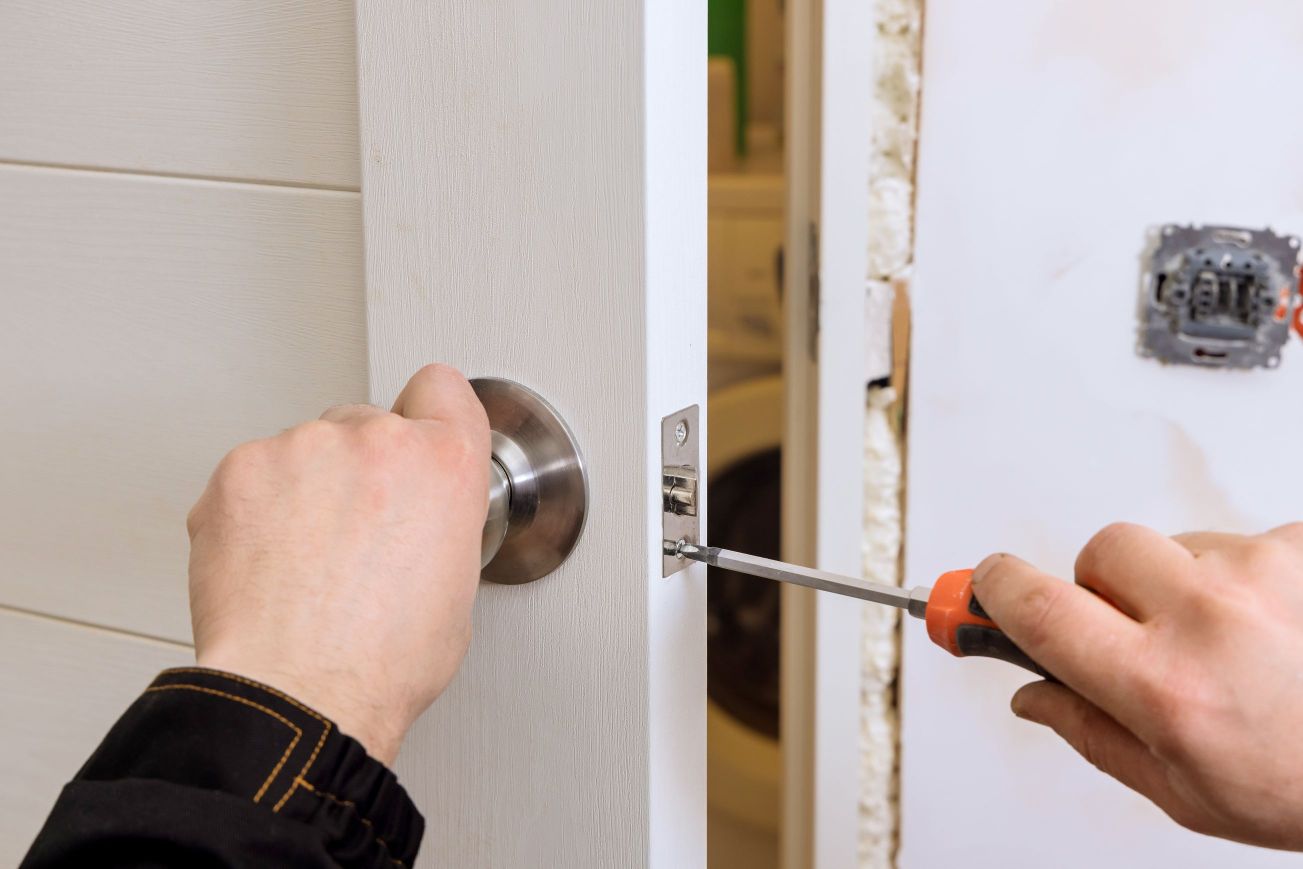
<point>63,687</point>
<point>238,89</point>
<point>534,193</point>
<point>153,324</point>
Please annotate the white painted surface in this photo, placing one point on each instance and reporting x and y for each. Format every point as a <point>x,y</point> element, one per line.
<point>534,185</point>
<point>150,325</point>
<point>843,267</point>
<point>1054,135</point>
<point>224,88</point>
<point>828,163</point>
<point>63,687</point>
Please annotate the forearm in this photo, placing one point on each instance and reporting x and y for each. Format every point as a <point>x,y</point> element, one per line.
<point>209,768</point>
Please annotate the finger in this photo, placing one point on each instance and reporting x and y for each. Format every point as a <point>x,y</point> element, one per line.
<point>1135,568</point>
<point>1199,542</point>
<point>352,412</point>
<point>440,392</point>
<point>1087,644</point>
<point>1291,534</point>
<point>1101,740</point>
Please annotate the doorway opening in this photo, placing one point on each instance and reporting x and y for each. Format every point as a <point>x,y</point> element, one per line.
<point>746,231</point>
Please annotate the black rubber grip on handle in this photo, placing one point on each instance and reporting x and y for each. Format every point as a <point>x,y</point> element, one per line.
<point>989,642</point>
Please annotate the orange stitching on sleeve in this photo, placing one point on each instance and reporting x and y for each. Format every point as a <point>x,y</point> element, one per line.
<point>320,741</point>
<point>298,732</point>
<point>222,674</point>
<point>299,778</point>
<point>349,804</point>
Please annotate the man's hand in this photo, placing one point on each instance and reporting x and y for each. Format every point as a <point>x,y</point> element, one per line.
<point>338,561</point>
<point>1182,668</point>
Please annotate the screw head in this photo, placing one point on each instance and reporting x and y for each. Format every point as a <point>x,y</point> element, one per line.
<point>681,432</point>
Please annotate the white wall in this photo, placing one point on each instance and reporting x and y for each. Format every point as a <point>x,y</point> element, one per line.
<point>1054,134</point>
<point>180,270</point>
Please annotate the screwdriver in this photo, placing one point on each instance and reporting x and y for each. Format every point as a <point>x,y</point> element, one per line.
<point>955,619</point>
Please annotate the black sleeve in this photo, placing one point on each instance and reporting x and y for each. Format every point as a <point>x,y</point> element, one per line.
<point>208,769</point>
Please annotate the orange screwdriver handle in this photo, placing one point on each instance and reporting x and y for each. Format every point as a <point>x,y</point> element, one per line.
<point>957,623</point>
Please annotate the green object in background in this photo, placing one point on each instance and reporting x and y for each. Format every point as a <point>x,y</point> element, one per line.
<point>726,37</point>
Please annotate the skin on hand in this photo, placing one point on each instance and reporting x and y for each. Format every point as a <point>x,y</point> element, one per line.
<point>1182,668</point>
<point>338,561</point>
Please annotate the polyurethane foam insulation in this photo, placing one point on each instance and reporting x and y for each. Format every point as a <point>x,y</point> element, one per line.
<point>897,48</point>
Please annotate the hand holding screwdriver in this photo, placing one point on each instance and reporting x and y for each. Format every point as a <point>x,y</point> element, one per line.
<point>1180,662</point>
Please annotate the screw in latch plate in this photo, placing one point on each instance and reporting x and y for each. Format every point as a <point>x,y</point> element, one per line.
<point>681,432</point>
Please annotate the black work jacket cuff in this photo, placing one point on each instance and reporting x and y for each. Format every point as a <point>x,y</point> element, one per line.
<point>217,732</point>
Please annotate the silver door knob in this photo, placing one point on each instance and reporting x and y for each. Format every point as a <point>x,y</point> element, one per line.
<point>538,487</point>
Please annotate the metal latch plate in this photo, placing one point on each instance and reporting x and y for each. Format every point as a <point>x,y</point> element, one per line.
<point>680,483</point>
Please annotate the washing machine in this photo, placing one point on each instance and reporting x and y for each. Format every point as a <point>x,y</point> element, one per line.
<point>744,795</point>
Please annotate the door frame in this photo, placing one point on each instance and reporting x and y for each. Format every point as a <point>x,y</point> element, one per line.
<point>828,129</point>
<point>534,208</point>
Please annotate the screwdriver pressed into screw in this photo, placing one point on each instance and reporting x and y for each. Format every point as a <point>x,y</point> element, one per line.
<point>955,620</point>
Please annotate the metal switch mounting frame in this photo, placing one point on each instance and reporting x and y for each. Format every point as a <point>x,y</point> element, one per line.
<point>1219,296</point>
<point>680,484</point>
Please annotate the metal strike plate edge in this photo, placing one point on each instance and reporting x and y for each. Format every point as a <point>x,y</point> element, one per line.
<point>680,484</point>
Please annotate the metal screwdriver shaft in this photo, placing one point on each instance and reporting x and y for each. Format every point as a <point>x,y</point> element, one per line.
<point>913,601</point>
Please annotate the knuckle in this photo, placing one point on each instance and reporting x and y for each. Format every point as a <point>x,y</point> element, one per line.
<point>1290,533</point>
<point>387,440</point>
<point>1039,613</point>
<point>239,463</point>
<point>1105,543</point>
<point>387,430</point>
<point>314,432</point>
<point>1268,556</point>
<point>345,410</point>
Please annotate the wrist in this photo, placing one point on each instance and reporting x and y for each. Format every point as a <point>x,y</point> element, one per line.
<point>379,730</point>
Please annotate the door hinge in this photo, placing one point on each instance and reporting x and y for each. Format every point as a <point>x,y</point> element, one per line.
<point>812,294</point>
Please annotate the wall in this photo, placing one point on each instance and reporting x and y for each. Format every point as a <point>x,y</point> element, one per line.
<point>180,265</point>
<point>1054,136</point>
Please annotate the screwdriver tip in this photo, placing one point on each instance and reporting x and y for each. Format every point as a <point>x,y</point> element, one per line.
<point>682,549</point>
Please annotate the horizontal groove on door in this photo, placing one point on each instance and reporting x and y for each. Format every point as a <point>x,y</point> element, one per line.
<point>92,626</point>
<point>221,89</point>
<point>178,176</point>
<point>63,687</point>
<point>153,324</point>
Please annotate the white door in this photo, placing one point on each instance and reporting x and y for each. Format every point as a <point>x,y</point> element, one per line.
<point>534,203</point>
<point>180,270</point>
<point>181,264</point>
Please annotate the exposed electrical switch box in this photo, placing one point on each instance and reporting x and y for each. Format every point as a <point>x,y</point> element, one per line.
<point>1220,297</point>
